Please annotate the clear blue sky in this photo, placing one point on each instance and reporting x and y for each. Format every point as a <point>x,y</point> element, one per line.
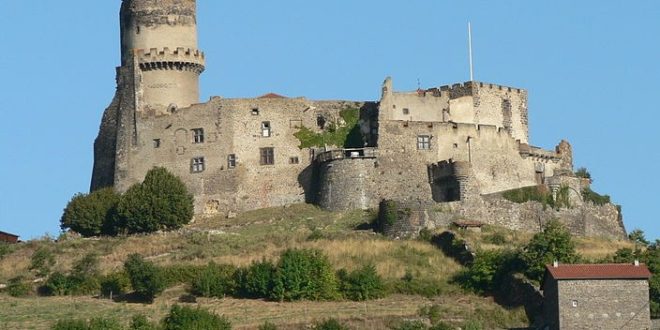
<point>592,69</point>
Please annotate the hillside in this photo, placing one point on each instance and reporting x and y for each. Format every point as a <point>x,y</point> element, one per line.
<point>266,233</point>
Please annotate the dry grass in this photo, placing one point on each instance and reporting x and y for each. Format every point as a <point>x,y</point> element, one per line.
<point>249,314</point>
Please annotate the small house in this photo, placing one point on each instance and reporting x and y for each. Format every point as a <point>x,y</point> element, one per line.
<point>599,296</point>
<point>8,238</point>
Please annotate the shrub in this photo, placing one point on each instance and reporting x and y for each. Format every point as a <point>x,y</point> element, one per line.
<point>71,325</point>
<point>5,249</point>
<point>42,261</point>
<point>93,324</point>
<point>184,318</point>
<point>140,322</point>
<point>473,325</point>
<point>497,238</point>
<point>361,284</point>
<point>347,136</point>
<point>330,324</point>
<point>304,274</point>
<point>583,173</point>
<point>526,194</point>
<point>591,196</point>
<point>409,325</point>
<point>488,270</point>
<point>57,284</point>
<point>256,281</point>
<point>115,284</point>
<point>19,287</point>
<point>215,281</point>
<point>146,279</point>
<point>412,285</point>
<point>178,274</point>
<point>388,214</point>
<point>425,235</point>
<point>553,244</point>
<point>161,202</point>
<point>88,214</point>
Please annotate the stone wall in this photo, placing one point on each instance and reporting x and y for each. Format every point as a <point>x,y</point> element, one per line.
<point>604,304</point>
<point>347,184</point>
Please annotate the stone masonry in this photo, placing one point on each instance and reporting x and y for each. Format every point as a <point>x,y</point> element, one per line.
<point>449,144</point>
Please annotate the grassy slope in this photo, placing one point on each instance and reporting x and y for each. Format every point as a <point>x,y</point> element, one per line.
<point>264,234</point>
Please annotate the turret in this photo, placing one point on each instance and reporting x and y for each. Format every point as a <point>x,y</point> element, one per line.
<point>160,38</point>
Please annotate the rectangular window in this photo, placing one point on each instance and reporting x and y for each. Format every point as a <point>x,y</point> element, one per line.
<point>267,156</point>
<point>255,111</point>
<point>265,129</point>
<point>198,135</point>
<point>294,160</point>
<point>197,165</point>
<point>406,111</point>
<point>231,161</point>
<point>423,142</point>
<point>156,143</point>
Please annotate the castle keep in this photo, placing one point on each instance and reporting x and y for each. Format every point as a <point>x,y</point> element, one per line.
<point>451,146</point>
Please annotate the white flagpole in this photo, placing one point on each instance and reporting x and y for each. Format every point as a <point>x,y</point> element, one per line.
<point>470,50</point>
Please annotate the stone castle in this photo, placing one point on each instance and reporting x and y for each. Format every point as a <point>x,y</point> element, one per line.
<point>444,152</point>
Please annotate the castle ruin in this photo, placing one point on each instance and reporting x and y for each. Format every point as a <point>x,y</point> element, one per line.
<point>451,145</point>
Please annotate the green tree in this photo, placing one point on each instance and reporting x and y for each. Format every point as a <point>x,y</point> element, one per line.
<point>582,172</point>
<point>146,279</point>
<point>554,243</point>
<point>186,318</point>
<point>488,270</point>
<point>161,202</point>
<point>361,284</point>
<point>304,274</point>
<point>215,281</point>
<point>88,214</point>
<point>637,236</point>
<point>256,281</point>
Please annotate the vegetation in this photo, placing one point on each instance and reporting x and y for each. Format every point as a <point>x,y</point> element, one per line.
<point>184,318</point>
<point>539,194</point>
<point>42,261</point>
<point>330,324</point>
<point>90,214</point>
<point>161,202</point>
<point>387,215</point>
<point>346,135</point>
<point>19,287</point>
<point>591,196</point>
<point>304,274</point>
<point>361,284</point>
<point>146,279</point>
<point>583,173</point>
<point>215,281</point>
<point>92,324</point>
<point>553,244</point>
<point>256,281</point>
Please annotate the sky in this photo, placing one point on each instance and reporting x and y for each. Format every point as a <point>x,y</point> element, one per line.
<point>592,70</point>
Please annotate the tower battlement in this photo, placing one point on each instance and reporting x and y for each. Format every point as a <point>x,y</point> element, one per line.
<point>183,59</point>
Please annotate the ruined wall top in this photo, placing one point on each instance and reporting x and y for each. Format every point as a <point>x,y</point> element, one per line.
<point>153,12</point>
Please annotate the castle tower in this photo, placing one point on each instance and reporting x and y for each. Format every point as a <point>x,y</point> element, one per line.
<point>160,36</point>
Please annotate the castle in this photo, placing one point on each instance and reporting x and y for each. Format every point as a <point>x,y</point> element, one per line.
<point>450,146</point>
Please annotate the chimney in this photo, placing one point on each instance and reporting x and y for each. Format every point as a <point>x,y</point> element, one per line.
<point>555,264</point>
<point>636,263</point>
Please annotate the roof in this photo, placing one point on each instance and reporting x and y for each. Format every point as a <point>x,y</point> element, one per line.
<point>6,233</point>
<point>467,223</point>
<point>271,96</point>
<point>598,271</point>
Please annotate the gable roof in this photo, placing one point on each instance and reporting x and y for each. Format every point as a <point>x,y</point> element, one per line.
<point>271,96</point>
<point>597,271</point>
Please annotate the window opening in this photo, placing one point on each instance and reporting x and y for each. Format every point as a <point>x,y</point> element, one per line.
<point>265,129</point>
<point>197,165</point>
<point>231,161</point>
<point>267,156</point>
<point>423,142</point>
<point>198,135</point>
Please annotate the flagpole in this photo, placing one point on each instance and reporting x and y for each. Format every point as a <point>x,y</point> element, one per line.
<point>470,51</point>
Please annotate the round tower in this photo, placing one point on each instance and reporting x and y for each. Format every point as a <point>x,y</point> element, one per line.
<point>160,38</point>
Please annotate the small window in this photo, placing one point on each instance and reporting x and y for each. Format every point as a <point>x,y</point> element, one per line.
<point>197,165</point>
<point>198,135</point>
<point>294,160</point>
<point>265,129</point>
<point>423,142</point>
<point>406,111</point>
<point>255,111</point>
<point>574,303</point>
<point>231,161</point>
<point>156,143</point>
<point>267,156</point>
<point>320,122</point>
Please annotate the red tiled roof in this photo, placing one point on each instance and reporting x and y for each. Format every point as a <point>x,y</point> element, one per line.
<point>271,96</point>
<point>598,271</point>
<point>8,234</point>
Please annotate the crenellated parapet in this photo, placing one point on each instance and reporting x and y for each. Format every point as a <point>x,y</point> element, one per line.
<point>182,59</point>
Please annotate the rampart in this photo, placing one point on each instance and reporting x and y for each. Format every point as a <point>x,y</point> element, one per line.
<point>166,59</point>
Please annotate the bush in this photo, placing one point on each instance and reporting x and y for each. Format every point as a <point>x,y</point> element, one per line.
<point>409,325</point>
<point>215,281</point>
<point>412,285</point>
<point>115,284</point>
<point>57,284</point>
<point>330,324</point>
<point>140,322</point>
<point>591,196</point>
<point>93,324</point>
<point>42,261</point>
<point>522,195</point>
<point>19,287</point>
<point>553,244</point>
<point>388,214</point>
<point>184,318</point>
<point>146,279</point>
<point>267,326</point>
<point>5,249</point>
<point>304,274</point>
<point>256,281</point>
<point>487,271</point>
<point>361,284</point>
<point>161,202</point>
<point>179,274</point>
<point>583,173</point>
<point>89,214</point>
